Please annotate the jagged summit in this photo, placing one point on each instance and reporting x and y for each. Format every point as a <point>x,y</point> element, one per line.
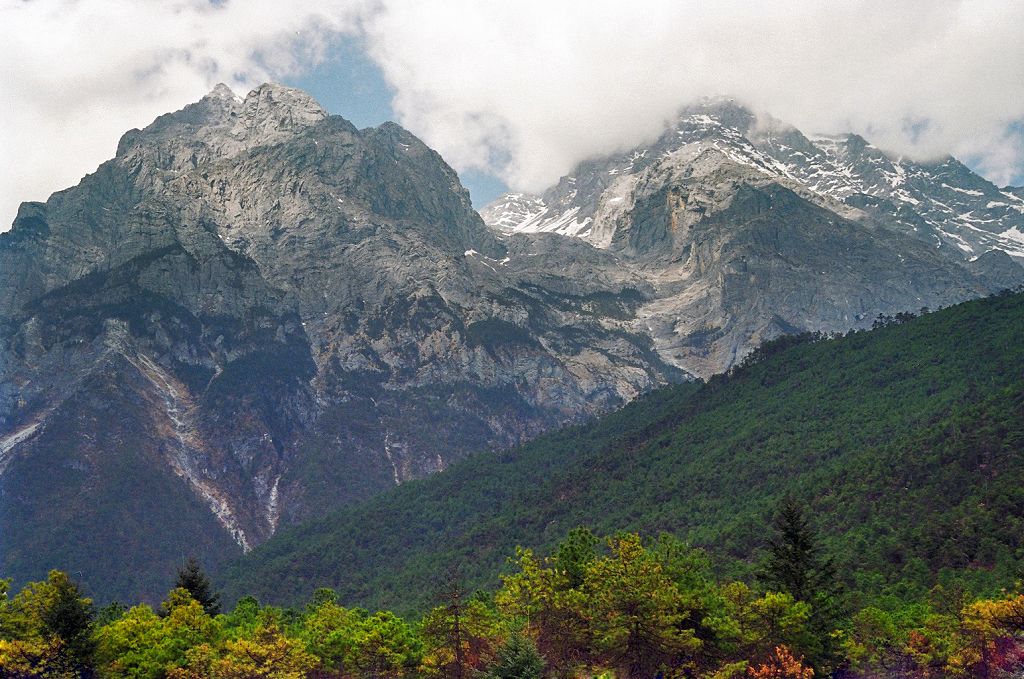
<point>223,124</point>
<point>222,91</point>
<point>268,100</point>
<point>271,110</point>
<point>724,110</point>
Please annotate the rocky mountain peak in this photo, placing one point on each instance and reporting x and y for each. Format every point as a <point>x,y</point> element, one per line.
<point>222,124</point>
<point>272,111</point>
<point>222,91</point>
<point>726,111</point>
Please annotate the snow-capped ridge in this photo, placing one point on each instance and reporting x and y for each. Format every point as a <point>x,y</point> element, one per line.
<point>940,201</point>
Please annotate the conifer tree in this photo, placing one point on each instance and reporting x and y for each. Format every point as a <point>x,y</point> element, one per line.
<point>796,564</point>
<point>69,617</point>
<point>575,553</point>
<point>192,579</point>
<point>517,659</point>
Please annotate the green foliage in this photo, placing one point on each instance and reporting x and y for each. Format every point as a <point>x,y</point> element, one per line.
<point>460,637</point>
<point>575,554</point>
<point>46,629</point>
<point>144,644</point>
<point>383,645</point>
<point>517,659</point>
<point>68,616</point>
<point>641,608</point>
<point>637,614</point>
<point>794,564</point>
<point>115,610</point>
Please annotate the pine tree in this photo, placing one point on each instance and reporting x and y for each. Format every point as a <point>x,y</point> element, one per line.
<point>575,553</point>
<point>637,614</point>
<point>192,579</point>
<point>69,617</point>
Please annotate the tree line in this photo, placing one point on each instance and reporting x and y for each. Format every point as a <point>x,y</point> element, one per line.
<point>619,606</point>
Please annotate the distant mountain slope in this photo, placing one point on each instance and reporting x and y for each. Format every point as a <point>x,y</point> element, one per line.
<point>943,202</point>
<point>747,229</point>
<point>907,441</point>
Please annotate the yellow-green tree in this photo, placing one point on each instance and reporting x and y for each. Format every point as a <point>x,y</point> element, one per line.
<point>353,642</point>
<point>752,625</point>
<point>142,644</point>
<point>46,629</point>
<point>637,613</point>
<point>267,654</point>
<point>987,645</point>
<point>460,638</point>
<point>541,595</point>
<point>383,645</point>
<point>330,630</point>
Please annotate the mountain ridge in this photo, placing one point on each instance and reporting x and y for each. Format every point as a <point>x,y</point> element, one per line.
<point>843,171</point>
<point>300,314</point>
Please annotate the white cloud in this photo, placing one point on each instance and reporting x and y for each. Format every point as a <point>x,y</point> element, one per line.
<point>547,84</point>
<point>524,89</point>
<point>79,73</point>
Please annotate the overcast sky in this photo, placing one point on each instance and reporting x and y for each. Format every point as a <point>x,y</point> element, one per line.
<point>514,92</point>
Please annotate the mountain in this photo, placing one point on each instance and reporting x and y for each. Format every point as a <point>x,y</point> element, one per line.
<point>256,313</point>
<point>921,417</point>
<point>748,229</point>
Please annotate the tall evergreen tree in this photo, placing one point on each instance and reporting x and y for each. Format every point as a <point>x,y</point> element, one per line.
<point>796,564</point>
<point>575,553</point>
<point>192,579</point>
<point>69,617</point>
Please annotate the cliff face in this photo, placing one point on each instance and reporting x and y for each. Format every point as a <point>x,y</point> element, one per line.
<point>255,312</point>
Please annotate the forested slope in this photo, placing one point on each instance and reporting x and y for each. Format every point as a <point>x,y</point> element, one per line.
<point>906,442</point>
